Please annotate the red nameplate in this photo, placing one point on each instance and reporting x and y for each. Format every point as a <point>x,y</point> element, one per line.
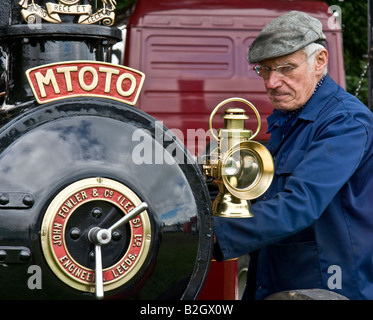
<point>85,79</point>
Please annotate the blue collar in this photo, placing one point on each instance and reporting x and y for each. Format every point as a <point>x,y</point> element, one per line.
<point>317,102</point>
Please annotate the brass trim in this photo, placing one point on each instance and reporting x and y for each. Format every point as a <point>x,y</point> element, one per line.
<point>52,251</point>
<point>33,13</point>
<point>263,179</point>
<point>237,100</point>
<point>228,206</point>
<point>69,2</point>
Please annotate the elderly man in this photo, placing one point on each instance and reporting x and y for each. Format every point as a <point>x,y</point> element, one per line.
<point>313,228</point>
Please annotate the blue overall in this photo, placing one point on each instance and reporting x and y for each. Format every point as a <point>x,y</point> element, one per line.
<point>313,228</point>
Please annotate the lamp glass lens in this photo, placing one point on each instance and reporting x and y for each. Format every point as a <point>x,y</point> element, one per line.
<point>242,169</point>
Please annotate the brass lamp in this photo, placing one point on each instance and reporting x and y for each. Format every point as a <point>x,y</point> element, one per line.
<point>243,169</point>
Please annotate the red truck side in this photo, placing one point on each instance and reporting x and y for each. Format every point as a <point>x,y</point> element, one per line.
<point>193,54</point>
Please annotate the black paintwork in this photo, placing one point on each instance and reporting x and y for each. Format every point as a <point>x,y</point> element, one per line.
<point>44,148</point>
<point>47,148</point>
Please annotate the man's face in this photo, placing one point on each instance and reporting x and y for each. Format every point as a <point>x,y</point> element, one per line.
<point>292,91</point>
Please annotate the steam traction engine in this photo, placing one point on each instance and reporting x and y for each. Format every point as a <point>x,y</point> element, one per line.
<point>97,198</point>
<point>78,204</point>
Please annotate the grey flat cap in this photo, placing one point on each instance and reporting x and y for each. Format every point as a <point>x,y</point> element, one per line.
<point>285,35</point>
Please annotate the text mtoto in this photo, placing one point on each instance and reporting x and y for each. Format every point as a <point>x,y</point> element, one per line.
<point>85,78</point>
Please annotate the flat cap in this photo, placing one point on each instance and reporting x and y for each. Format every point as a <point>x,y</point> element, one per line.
<point>285,35</point>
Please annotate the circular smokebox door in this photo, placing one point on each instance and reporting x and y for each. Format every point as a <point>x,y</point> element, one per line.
<point>88,163</point>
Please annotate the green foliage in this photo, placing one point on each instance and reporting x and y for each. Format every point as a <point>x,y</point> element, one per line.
<point>124,4</point>
<point>123,11</point>
<point>355,43</point>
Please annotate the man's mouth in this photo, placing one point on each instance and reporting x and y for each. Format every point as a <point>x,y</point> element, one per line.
<point>279,95</point>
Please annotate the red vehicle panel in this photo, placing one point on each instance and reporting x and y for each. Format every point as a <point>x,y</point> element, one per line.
<point>193,54</point>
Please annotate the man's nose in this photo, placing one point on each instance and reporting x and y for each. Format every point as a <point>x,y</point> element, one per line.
<point>274,80</point>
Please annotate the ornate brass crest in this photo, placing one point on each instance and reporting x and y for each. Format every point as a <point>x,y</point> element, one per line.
<point>31,11</point>
<point>65,242</point>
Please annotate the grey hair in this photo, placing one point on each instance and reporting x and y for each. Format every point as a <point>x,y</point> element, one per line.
<point>309,50</point>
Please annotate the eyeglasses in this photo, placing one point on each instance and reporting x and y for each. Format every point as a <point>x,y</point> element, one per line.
<point>284,70</point>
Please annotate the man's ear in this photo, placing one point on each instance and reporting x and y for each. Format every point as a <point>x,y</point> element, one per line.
<point>321,61</point>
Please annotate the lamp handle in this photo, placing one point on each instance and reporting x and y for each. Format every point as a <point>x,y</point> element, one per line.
<point>239,100</point>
